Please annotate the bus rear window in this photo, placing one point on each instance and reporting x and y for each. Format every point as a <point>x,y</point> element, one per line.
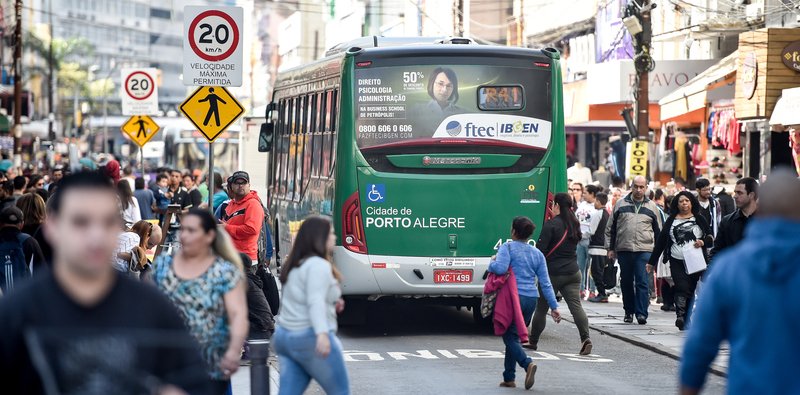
<point>500,98</point>
<point>417,103</point>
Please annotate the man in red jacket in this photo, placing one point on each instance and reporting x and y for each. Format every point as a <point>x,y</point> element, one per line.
<point>244,215</point>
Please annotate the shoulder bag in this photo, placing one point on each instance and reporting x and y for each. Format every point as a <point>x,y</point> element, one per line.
<point>488,300</point>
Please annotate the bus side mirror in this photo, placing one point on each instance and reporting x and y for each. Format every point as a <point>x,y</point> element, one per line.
<point>265,137</point>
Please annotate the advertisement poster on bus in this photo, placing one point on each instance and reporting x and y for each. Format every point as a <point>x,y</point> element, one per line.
<point>402,103</point>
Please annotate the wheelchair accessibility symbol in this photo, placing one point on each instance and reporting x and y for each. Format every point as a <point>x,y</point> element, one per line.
<point>376,193</point>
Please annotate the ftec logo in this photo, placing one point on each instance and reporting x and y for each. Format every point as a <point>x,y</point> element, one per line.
<point>501,129</point>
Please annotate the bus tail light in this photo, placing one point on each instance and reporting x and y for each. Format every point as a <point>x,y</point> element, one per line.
<point>548,209</point>
<point>352,227</point>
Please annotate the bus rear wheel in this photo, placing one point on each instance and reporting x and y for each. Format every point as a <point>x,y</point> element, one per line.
<point>355,312</point>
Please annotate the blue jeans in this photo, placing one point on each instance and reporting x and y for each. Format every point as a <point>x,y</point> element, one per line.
<point>583,264</point>
<point>633,281</point>
<point>515,354</point>
<point>299,363</point>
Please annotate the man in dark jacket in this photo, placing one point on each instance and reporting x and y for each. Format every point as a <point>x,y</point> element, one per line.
<point>731,229</point>
<point>631,234</point>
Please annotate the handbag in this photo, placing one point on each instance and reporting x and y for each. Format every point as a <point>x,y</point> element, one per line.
<point>270,288</point>
<point>663,270</point>
<point>610,275</point>
<point>489,300</point>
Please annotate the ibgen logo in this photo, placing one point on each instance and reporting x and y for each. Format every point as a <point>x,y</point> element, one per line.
<point>519,127</point>
<point>501,129</point>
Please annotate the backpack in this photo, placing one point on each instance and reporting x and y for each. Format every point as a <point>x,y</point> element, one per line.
<point>12,258</point>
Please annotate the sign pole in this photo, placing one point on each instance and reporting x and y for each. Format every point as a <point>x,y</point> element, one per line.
<point>210,176</point>
<point>141,160</point>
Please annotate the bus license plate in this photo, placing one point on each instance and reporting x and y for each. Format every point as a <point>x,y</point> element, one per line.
<point>452,276</point>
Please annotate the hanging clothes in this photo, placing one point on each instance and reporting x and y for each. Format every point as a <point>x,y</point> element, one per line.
<point>723,129</point>
<point>681,158</point>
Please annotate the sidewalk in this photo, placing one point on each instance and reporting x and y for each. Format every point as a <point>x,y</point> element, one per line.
<point>659,334</point>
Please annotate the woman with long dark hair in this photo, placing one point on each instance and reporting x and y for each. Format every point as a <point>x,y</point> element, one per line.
<point>305,338</point>
<point>684,226</point>
<point>33,209</point>
<point>558,242</point>
<point>130,206</point>
<point>206,283</point>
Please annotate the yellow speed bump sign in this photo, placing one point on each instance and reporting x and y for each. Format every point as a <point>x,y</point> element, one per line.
<point>212,109</point>
<point>140,128</point>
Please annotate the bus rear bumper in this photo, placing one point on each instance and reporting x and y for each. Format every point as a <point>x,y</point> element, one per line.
<point>376,276</point>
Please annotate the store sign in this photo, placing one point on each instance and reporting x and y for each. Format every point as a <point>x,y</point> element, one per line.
<point>749,73</point>
<point>612,82</point>
<point>791,56</point>
<point>636,158</point>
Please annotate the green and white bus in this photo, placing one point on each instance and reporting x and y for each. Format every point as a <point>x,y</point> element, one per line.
<point>422,151</point>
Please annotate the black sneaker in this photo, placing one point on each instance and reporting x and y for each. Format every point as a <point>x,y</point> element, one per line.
<point>641,319</point>
<point>628,318</point>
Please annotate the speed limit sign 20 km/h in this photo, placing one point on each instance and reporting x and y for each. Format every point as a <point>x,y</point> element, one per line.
<point>139,91</point>
<point>212,50</point>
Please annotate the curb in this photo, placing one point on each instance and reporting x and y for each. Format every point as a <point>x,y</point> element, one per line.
<point>656,348</point>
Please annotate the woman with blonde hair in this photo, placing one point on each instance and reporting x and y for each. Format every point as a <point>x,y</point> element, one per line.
<point>33,210</point>
<point>205,281</point>
<point>305,339</point>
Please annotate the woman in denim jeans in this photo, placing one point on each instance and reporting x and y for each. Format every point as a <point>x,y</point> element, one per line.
<point>529,267</point>
<point>305,339</point>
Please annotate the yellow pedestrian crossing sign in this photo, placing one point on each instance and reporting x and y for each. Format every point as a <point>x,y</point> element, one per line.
<point>212,109</point>
<point>140,128</point>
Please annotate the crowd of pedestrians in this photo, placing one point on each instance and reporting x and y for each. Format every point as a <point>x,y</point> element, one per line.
<point>84,239</point>
<point>86,309</point>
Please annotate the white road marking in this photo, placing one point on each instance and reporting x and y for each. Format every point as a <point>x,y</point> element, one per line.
<point>373,356</point>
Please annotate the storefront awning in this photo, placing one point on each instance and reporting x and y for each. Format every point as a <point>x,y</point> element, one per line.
<point>787,110</point>
<point>692,96</point>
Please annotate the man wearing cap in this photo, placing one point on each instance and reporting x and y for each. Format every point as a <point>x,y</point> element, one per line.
<point>244,218</point>
<point>11,221</point>
<point>244,215</point>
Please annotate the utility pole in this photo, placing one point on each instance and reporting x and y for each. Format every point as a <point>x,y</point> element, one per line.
<point>643,61</point>
<point>51,134</point>
<point>17,81</point>
<point>458,18</point>
<point>521,25</point>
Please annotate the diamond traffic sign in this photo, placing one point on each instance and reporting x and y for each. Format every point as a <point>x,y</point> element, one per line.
<point>139,91</point>
<point>140,128</point>
<point>212,47</point>
<point>212,109</point>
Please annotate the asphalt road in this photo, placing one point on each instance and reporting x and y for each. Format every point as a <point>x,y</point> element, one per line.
<point>409,348</point>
